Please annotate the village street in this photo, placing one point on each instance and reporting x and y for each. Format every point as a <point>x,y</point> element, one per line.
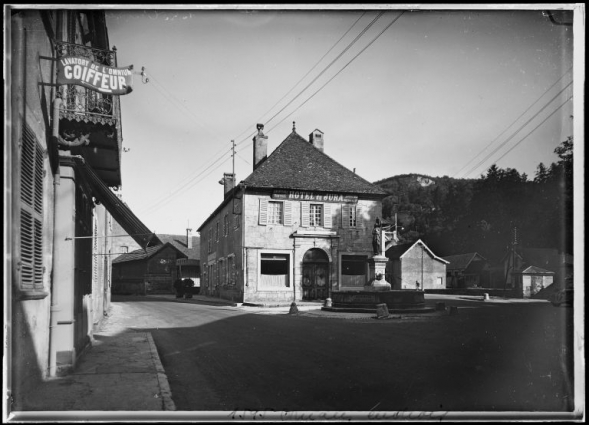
<point>491,356</point>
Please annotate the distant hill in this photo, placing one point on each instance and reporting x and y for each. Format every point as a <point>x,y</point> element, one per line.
<point>454,216</point>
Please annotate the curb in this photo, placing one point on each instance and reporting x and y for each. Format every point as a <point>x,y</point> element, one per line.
<point>165,391</point>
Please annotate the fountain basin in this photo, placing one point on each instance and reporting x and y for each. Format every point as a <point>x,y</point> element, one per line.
<point>397,301</point>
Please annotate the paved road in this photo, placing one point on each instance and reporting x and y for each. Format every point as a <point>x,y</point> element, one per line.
<point>492,356</point>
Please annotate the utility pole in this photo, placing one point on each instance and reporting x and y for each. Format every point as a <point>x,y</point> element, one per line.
<point>512,258</point>
<point>233,157</point>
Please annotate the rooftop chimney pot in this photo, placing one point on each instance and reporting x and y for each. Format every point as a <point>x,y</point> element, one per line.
<point>228,182</point>
<point>260,146</point>
<point>189,238</point>
<point>316,139</point>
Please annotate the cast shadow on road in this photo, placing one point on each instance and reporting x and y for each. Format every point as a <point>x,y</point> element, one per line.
<point>506,358</point>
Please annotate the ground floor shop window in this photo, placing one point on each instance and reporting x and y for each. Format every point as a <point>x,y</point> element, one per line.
<point>274,270</point>
<point>354,270</point>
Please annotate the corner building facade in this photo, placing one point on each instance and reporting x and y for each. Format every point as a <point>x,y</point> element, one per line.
<point>295,229</point>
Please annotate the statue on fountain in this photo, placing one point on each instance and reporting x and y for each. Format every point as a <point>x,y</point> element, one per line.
<point>377,264</point>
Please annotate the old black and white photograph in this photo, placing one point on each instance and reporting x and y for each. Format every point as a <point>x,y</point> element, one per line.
<point>294,212</point>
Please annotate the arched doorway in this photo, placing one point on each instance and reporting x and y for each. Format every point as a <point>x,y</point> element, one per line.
<point>315,274</point>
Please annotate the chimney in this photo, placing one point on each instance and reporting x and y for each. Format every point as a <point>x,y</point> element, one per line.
<point>316,139</point>
<point>260,146</point>
<point>228,182</point>
<point>189,238</point>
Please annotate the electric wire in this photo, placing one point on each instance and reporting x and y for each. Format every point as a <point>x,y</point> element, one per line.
<point>534,129</point>
<point>513,122</point>
<point>173,194</point>
<point>190,176</point>
<point>162,91</point>
<point>344,67</point>
<point>354,41</point>
<point>154,207</point>
<point>514,133</point>
<point>354,58</point>
<point>181,106</point>
<point>304,76</point>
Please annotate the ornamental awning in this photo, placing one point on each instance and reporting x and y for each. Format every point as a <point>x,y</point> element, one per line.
<point>116,207</point>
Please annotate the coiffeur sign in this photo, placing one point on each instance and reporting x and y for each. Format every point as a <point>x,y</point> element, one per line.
<point>101,78</point>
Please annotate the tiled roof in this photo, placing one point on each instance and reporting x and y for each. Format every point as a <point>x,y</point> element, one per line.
<point>140,254</point>
<point>397,251</point>
<point>460,261</point>
<point>179,241</point>
<point>297,164</point>
<point>536,270</point>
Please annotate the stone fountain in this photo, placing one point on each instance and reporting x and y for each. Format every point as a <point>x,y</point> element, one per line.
<point>377,290</point>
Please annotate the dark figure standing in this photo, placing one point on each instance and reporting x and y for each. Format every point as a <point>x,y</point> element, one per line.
<point>179,288</point>
<point>188,284</point>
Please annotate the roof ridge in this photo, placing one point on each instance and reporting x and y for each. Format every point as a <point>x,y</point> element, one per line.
<point>270,174</point>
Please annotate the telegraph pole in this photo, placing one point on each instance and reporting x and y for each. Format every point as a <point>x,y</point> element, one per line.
<point>233,157</point>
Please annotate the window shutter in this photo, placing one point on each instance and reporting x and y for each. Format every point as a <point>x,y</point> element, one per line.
<point>31,220</point>
<point>287,213</point>
<point>327,219</point>
<point>304,214</point>
<point>263,212</point>
<point>346,216</point>
<point>360,222</point>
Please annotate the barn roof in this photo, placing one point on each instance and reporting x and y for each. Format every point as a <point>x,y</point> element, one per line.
<point>398,251</point>
<point>141,254</point>
<point>461,261</point>
<point>297,164</point>
<point>179,242</point>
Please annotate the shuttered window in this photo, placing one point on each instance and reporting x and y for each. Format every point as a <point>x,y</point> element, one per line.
<point>275,212</point>
<point>316,215</point>
<point>31,213</point>
<point>305,214</point>
<point>327,219</point>
<point>351,216</point>
<point>263,216</point>
<point>288,213</point>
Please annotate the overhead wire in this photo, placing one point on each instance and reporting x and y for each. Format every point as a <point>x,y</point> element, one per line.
<point>185,186</point>
<point>513,122</point>
<point>354,41</point>
<point>517,131</point>
<point>167,197</point>
<point>160,203</point>
<point>535,128</point>
<point>334,76</point>
<point>181,106</point>
<point>175,102</point>
<point>344,67</point>
<point>305,76</point>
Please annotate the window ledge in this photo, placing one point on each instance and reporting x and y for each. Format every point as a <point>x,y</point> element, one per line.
<point>315,233</point>
<point>30,295</point>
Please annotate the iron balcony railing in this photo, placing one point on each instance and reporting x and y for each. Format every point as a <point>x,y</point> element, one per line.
<point>83,104</point>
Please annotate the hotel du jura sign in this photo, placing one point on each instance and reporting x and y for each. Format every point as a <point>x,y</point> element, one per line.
<point>94,76</point>
<point>305,195</point>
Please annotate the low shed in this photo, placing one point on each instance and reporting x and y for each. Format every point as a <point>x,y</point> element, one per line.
<point>152,270</point>
<point>415,266</point>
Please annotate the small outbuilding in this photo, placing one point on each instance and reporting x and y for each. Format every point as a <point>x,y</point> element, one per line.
<point>415,266</point>
<point>143,271</point>
<point>467,271</point>
<point>532,280</point>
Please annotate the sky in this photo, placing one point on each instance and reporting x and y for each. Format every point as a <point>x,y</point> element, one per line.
<point>431,92</point>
